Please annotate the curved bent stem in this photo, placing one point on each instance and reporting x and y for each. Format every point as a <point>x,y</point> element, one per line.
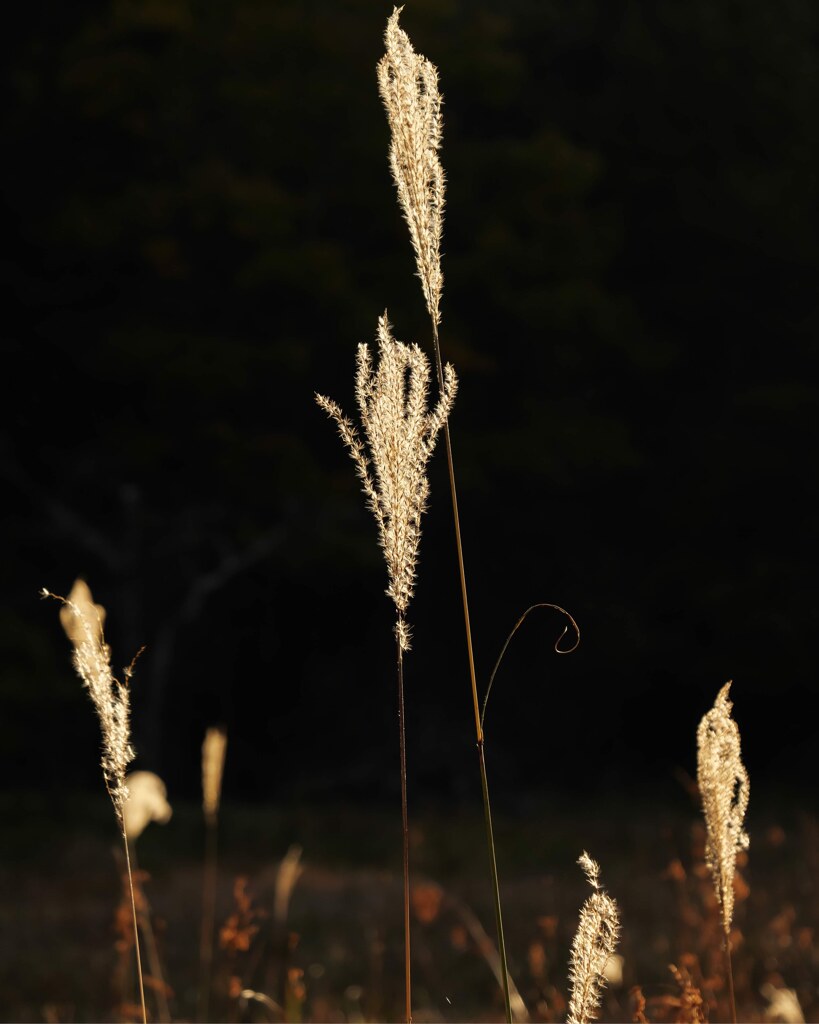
<point>518,624</point>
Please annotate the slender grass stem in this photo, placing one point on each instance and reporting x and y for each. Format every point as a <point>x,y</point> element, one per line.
<point>152,950</point>
<point>490,838</point>
<point>730,979</point>
<point>405,828</point>
<point>136,927</point>
<point>487,810</point>
<point>208,920</point>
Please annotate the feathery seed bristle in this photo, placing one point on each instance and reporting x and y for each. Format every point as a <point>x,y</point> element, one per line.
<point>408,84</point>
<point>400,435</point>
<point>594,943</point>
<point>724,789</point>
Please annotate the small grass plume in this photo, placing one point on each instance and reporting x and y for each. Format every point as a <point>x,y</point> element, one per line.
<point>400,437</point>
<point>82,621</point>
<point>214,749</point>
<point>400,434</point>
<point>408,84</point>
<point>724,785</point>
<point>724,789</point>
<point>594,943</point>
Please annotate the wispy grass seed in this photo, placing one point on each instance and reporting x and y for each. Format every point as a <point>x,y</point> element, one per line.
<point>594,944</point>
<point>400,437</point>
<point>408,84</point>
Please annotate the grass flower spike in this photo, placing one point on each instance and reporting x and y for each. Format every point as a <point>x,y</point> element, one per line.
<point>400,434</point>
<point>82,621</point>
<point>594,943</point>
<point>408,84</point>
<point>723,783</point>
<point>400,437</point>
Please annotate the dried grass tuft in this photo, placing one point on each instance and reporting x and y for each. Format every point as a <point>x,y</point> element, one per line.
<point>723,783</point>
<point>401,434</point>
<point>408,84</point>
<point>82,621</point>
<point>214,748</point>
<point>594,943</point>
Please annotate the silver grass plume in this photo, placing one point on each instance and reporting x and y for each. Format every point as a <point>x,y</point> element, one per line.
<point>214,749</point>
<point>408,84</point>
<point>724,787</point>
<point>400,435</point>
<point>82,621</point>
<point>594,943</point>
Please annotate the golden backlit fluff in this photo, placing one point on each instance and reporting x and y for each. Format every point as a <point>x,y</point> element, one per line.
<point>147,801</point>
<point>82,621</point>
<point>408,84</point>
<point>594,944</point>
<point>214,748</point>
<point>400,435</point>
<point>723,783</point>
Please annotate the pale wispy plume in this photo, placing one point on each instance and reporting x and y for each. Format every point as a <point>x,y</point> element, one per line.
<point>400,437</point>
<point>724,785</point>
<point>147,801</point>
<point>82,621</point>
<point>214,748</point>
<point>594,943</point>
<point>408,84</point>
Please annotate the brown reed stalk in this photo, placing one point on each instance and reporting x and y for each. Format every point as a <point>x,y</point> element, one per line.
<point>400,437</point>
<point>82,621</point>
<point>594,943</point>
<point>214,749</point>
<point>724,789</point>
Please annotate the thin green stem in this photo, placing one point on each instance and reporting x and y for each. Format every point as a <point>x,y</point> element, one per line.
<point>405,827</point>
<point>487,812</point>
<point>136,928</point>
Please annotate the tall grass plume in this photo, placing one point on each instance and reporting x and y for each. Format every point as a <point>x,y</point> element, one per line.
<point>400,433</point>
<point>214,750</point>
<point>724,790</point>
<point>594,943</point>
<point>400,437</point>
<point>82,621</point>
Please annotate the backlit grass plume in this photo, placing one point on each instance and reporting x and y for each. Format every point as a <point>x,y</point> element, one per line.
<point>400,437</point>
<point>724,784</point>
<point>214,749</point>
<point>594,943</point>
<point>82,621</point>
<point>408,84</point>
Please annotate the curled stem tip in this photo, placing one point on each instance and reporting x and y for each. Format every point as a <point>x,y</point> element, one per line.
<point>557,648</point>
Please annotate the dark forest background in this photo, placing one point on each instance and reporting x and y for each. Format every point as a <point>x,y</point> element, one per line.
<point>200,227</point>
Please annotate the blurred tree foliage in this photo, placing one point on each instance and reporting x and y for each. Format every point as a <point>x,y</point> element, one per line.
<point>200,227</point>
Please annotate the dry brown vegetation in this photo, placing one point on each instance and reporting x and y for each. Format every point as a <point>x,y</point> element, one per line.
<point>698,931</point>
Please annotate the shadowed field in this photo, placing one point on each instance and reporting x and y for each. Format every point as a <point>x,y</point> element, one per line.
<point>337,955</point>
